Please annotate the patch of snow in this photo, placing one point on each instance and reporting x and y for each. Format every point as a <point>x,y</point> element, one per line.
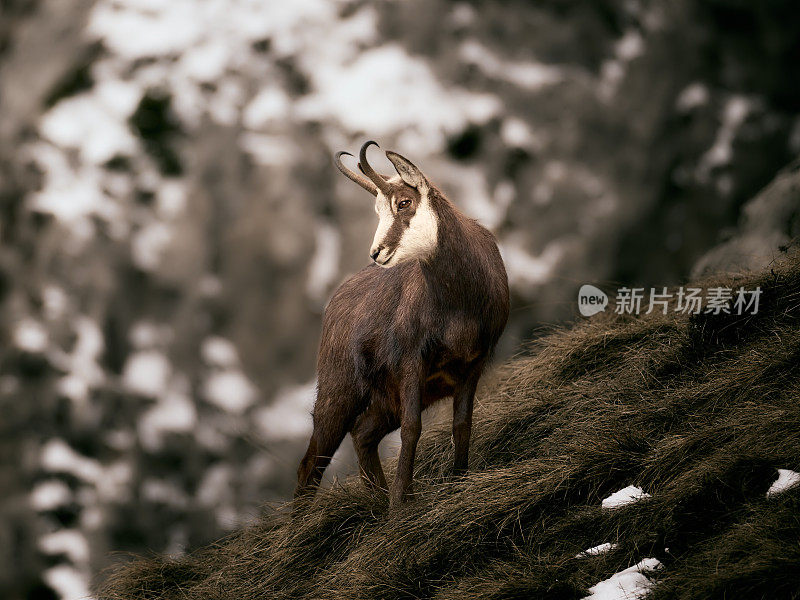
<point>168,28</point>
<point>733,115</point>
<point>58,457</point>
<point>692,96</point>
<point>270,104</point>
<point>625,496</point>
<point>365,95</point>
<point>115,483</point>
<point>326,42</point>
<point>69,542</point>
<point>629,584</point>
<point>147,373</point>
<point>120,186</point>
<point>532,76</point>
<point>84,372</point>
<point>143,334</point>
<point>159,491</point>
<point>230,390</point>
<point>93,518</point>
<point>526,272</point>
<point>94,124</point>
<point>215,37</point>
<point>136,30</point>
<point>178,541</point>
<point>613,70</point>
<point>630,45</point>
<point>173,413</point>
<point>504,194</point>
<point>215,487</point>
<point>323,270</point>
<point>226,104</point>
<point>516,133</point>
<point>227,517</point>
<point>50,494</point>
<point>31,336</point>
<point>146,334</point>
<point>74,388</point>
<point>208,60</point>
<point>597,550</point>
<point>274,150</point>
<point>70,194</point>
<point>312,27</point>
<point>475,198</point>
<point>786,479</point>
<point>54,301</point>
<point>462,15</point>
<point>219,352</point>
<point>178,46</point>
<point>69,583</point>
<point>289,415</point>
<point>149,244</point>
<point>171,198</point>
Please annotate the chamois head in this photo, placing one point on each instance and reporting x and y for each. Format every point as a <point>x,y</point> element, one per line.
<point>408,226</point>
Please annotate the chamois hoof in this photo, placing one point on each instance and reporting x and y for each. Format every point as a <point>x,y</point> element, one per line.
<point>397,499</point>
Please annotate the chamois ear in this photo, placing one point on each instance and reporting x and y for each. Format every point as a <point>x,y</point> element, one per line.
<point>408,172</point>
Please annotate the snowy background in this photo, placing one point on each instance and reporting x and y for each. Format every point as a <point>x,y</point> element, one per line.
<point>171,223</point>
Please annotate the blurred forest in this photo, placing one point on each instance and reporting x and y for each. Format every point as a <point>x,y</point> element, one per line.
<point>171,223</point>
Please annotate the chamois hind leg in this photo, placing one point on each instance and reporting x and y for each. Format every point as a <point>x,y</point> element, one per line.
<point>331,422</point>
<point>370,428</point>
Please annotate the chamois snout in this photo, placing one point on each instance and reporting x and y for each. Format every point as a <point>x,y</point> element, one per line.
<point>382,255</point>
<point>375,252</point>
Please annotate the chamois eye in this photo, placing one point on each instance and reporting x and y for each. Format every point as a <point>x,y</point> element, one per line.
<point>403,204</point>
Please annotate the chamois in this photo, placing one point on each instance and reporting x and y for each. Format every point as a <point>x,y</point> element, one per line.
<point>416,326</point>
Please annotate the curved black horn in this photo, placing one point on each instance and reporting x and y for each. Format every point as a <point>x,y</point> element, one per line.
<point>384,177</point>
<point>376,178</point>
<point>362,181</point>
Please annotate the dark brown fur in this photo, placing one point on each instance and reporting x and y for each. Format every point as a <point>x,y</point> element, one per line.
<point>394,341</point>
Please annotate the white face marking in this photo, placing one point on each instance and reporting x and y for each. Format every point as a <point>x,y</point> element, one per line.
<point>386,217</point>
<point>418,240</point>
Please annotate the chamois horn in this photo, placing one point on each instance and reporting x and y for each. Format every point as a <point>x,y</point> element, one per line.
<point>376,178</point>
<point>360,180</point>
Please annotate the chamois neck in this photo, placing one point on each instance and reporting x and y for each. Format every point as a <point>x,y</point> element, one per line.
<point>455,269</point>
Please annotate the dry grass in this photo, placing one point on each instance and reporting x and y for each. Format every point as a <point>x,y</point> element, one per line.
<point>699,412</point>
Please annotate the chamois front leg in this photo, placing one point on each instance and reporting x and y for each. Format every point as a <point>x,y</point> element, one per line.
<point>410,429</point>
<point>463,402</point>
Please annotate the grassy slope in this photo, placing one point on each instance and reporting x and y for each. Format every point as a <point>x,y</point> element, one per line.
<point>697,411</point>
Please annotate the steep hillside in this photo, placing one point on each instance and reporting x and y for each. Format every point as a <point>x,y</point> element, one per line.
<point>699,412</point>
